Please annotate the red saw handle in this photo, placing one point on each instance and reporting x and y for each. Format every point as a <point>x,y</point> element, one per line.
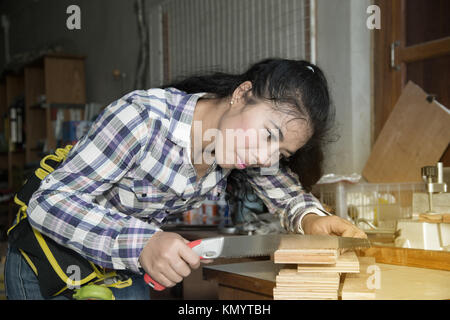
<point>155,285</point>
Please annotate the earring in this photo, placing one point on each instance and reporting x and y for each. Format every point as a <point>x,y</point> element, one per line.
<point>231,102</point>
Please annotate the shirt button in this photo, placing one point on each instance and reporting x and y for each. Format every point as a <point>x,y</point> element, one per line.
<point>183,199</point>
<point>144,195</point>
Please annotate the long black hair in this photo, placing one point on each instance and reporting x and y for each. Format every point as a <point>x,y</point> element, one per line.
<point>295,83</point>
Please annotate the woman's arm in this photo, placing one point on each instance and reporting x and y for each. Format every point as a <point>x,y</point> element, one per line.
<point>299,211</point>
<point>64,209</point>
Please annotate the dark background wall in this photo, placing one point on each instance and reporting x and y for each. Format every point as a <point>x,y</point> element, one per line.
<point>108,38</point>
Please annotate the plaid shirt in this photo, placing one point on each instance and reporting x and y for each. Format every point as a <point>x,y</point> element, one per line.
<point>131,170</point>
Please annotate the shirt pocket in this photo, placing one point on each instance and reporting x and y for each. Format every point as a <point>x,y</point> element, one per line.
<point>144,196</point>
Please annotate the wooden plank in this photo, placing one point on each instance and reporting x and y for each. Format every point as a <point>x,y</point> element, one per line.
<point>355,285</point>
<point>420,283</point>
<point>306,256</point>
<point>305,289</point>
<point>415,135</point>
<point>315,286</point>
<point>435,217</point>
<point>290,278</point>
<point>410,283</point>
<point>289,252</point>
<point>322,277</point>
<point>346,263</point>
<point>293,285</point>
<point>409,257</point>
<point>279,294</point>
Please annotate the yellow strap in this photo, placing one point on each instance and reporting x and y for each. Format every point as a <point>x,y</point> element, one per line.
<point>51,157</point>
<point>122,284</point>
<point>20,202</point>
<point>56,266</point>
<point>60,155</point>
<point>63,152</point>
<point>41,173</point>
<point>21,214</point>
<point>61,291</point>
<point>31,264</point>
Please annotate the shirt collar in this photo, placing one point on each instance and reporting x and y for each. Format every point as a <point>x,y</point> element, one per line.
<point>180,122</point>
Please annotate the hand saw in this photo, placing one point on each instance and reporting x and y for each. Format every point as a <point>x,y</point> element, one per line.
<point>261,245</point>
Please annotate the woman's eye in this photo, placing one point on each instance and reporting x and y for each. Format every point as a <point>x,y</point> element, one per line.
<point>271,135</point>
<point>285,157</point>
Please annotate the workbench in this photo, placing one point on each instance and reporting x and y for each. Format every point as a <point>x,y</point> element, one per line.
<point>255,280</point>
<point>405,274</point>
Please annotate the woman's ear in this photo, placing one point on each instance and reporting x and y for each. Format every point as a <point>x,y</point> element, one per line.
<point>245,86</point>
<point>240,92</point>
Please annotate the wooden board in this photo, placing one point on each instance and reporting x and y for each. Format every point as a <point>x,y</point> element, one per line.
<point>397,282</point>
<point>415,135</point>
<point>408,257</point>
<point>306,256</point>
<point>291,285</point>
<point>347,262</point>
<point>279,294</point>
<point>355,285</point>
<point>401,282</point>
<point>435,218</point>
<point>290,277</point>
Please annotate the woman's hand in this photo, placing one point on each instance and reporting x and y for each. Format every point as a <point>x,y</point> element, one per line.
<point>330,225</point>
<point>168,259</point>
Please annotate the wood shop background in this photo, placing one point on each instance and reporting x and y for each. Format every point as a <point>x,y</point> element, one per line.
<point>387,62</point>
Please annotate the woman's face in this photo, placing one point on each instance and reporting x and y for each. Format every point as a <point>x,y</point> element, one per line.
<point>257,135</point>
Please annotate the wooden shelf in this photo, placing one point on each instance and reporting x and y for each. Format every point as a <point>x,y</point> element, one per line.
<point>60,78</point>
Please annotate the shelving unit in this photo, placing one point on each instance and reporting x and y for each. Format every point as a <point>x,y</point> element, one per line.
<point>60,78</point>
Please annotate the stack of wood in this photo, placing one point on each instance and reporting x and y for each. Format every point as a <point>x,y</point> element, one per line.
<point>310,274</point>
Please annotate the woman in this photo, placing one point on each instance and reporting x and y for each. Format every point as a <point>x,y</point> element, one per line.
<point>162,151</point>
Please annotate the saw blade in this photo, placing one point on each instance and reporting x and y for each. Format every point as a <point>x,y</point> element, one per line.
<point>260,245</point>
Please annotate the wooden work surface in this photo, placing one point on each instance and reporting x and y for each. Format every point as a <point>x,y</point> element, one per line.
<point>255,280</point>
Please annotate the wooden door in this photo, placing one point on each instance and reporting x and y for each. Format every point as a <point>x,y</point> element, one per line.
<point>413,44</point>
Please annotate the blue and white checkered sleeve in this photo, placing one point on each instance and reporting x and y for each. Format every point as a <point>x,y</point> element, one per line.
<point>283,195</point>
<point>63,206</point>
